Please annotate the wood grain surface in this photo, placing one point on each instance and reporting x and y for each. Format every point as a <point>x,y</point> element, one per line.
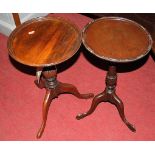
<point>116,39</point>
<point>44,41</point>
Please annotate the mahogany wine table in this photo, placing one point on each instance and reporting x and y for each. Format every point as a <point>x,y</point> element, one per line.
<point>117,40</point>
<point>43,43</point>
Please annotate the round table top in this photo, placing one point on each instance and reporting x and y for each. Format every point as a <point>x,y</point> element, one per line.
<point>116,39</point>
<point>44,41</point>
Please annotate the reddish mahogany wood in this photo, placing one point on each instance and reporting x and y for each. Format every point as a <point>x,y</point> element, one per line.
<point>117,39</point>
<point>53,89</point>
<point>109,95</point>
<point>44,41</point>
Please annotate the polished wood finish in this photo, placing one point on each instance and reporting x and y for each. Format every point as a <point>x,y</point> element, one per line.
<point>117,39</point>
<point>145,19</point>
<point>53,89</point>
<point>16,19</point>
<point>44,41</point>
<point>109,95</point>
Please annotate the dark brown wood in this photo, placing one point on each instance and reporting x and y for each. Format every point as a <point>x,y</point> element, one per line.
<point>53,89</point>
<point>117,39</point>
<point>44,41</point>
<point>16,19</point>
<point>109,95</point>
<point>145,19</point>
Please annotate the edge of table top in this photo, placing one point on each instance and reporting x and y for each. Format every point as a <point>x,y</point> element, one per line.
<point>20,27</point>
<point>112,59</point>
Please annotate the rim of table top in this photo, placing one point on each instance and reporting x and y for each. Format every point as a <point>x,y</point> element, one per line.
<point>20,27</point>
<point>112,59</point>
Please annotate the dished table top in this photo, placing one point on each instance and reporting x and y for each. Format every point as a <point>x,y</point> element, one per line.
<point>44,41</point>
<point>116,39</point>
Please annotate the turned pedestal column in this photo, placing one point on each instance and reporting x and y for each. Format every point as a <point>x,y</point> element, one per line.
<point>109,95</point>
<point>43,43</point>
<point>116,40</point>
<point>54,88</point>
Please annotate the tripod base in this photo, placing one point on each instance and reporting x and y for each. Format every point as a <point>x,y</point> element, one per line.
<point>109,95</point>
<point>53,89</point>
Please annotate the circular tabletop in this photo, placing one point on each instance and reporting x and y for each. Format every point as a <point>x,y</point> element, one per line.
<point>116,39</point>
<point>44,41</point>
